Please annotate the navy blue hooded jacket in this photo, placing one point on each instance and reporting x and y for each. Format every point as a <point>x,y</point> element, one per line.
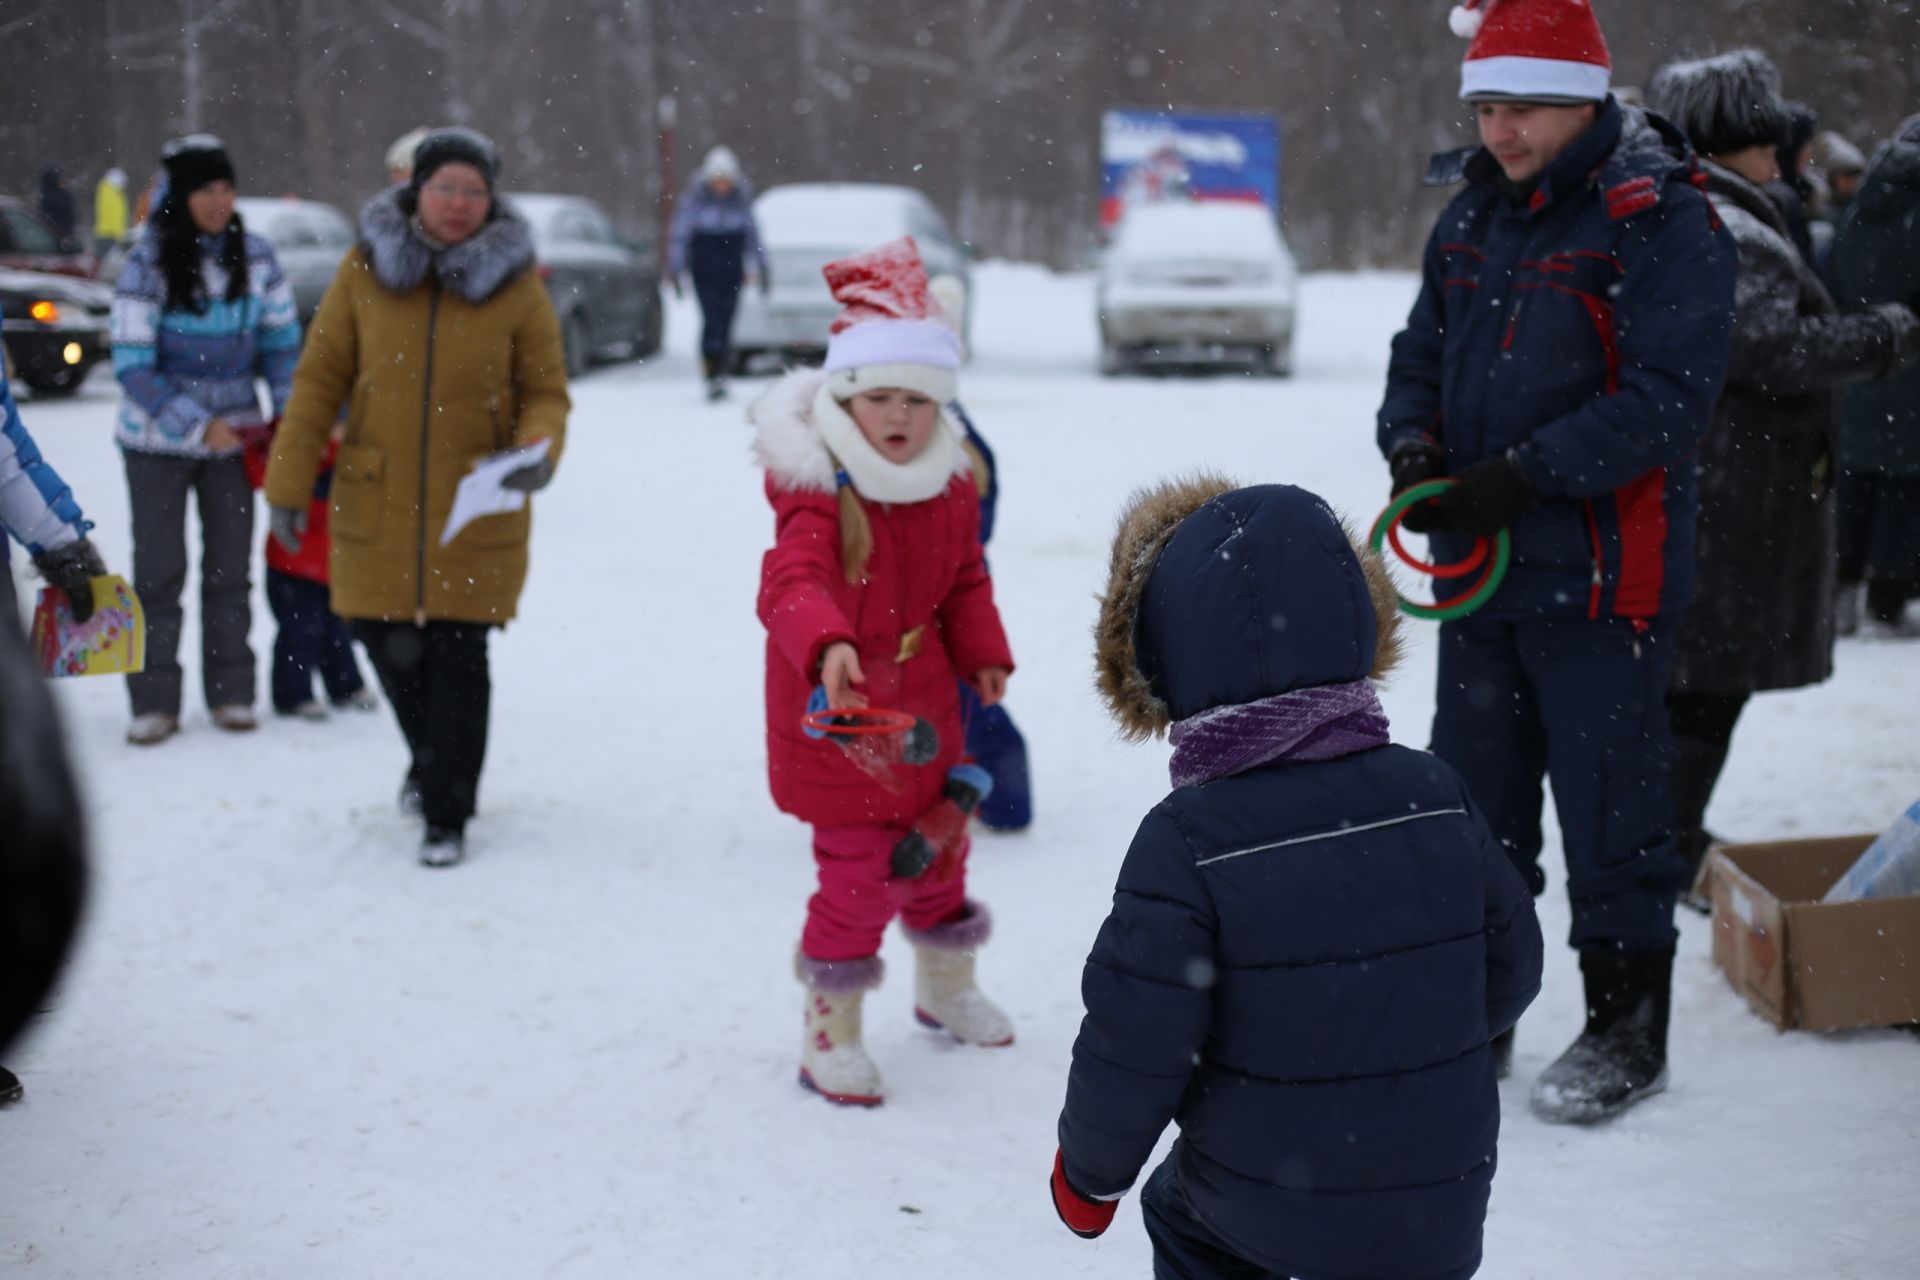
<point>1584,330</point>
<point>1305,962</point>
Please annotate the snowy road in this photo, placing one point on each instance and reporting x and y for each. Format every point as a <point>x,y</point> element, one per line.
<point>286,1051</point>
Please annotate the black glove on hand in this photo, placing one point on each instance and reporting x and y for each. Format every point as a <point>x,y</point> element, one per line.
<point>529,478</point>
<point>73,568</point>
<point>1490,495</point>
<point>1415,464</point>
<point>288,527</point>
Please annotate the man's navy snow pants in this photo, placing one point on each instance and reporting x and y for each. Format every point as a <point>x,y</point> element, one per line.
<point>1582,702</point>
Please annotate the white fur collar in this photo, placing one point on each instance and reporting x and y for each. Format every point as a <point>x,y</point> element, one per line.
<point>800,429</point>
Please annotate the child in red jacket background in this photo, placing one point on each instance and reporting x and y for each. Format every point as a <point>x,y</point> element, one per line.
<point>876,591</point>
<point>311,636</point>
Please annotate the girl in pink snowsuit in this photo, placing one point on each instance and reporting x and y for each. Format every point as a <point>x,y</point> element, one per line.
<point>875,592</point>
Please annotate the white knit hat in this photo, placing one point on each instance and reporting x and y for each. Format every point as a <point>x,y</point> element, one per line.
<point>891,333</point>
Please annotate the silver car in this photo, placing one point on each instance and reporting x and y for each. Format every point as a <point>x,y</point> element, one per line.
<point>804,226</point>
<point>1198,283</point>
<point>605,288</point>
<point>308,237</point>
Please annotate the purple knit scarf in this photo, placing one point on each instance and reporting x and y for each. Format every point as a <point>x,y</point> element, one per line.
<point>1321,723</point>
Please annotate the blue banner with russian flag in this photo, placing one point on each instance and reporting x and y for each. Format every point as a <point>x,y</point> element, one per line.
<point>1147,156</point>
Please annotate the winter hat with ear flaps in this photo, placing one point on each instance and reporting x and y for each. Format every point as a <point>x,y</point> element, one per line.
<point>1218,596</point>
<point>1545,51</point>
<point>193,162</point>
<point>1723,104</point>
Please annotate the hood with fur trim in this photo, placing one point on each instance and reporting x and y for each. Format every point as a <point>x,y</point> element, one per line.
<point>1218,596</point>
<point>473,270</point>
<point>788,443</point>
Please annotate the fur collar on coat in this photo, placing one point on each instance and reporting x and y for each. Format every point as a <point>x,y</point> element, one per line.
<point>1147,524</point>
<point>800,431</point>
<point>473,270</point>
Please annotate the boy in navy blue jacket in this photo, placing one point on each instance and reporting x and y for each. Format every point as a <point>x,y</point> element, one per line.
<point>1314,936</point>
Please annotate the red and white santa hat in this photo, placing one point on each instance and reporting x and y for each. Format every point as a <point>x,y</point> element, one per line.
<point>890,333</point>
<point>1547,51</point>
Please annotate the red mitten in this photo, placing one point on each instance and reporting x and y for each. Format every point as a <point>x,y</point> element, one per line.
<point>1085,1218</point>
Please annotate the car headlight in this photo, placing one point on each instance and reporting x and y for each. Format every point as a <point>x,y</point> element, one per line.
<point>45,311</point>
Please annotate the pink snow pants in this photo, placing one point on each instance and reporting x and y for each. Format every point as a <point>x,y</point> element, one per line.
<point>857,898</point>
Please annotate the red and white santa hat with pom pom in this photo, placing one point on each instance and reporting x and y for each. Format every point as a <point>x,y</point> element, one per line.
<point>1548,51</point>
<point>890,333</point>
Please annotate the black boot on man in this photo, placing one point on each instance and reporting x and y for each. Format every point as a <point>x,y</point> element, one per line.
<point>1621,1057</point>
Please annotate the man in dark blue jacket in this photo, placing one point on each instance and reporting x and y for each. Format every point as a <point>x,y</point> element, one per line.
<point>1314,937</point>
<point>1561,363</point>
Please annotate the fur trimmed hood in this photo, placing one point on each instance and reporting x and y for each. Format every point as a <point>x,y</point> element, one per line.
<point>474,270</point>
<point>1247,610</point>
<point>788,443</point>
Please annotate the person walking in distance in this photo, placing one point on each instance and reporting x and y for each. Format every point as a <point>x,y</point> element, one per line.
<point>1560,365</point>
<point>716,239</point>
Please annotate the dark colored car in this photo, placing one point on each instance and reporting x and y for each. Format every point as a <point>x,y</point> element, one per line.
<point>56,328</point>
<point>309,239</point>
<point>606,290</point>
<point>28,242</point>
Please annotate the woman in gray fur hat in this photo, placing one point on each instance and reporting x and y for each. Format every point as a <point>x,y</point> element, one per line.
<point>1762,613</point>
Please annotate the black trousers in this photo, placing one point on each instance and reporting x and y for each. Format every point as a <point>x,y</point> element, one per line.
<point>311,638</point>
<point>1703,726</point>
<point>437,681</point>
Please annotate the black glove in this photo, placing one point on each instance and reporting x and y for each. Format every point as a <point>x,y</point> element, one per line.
<point>529,478</point>
<point>1490,495</point>
<point>766,284</point>
<point>1415,464</point>
<point>288,527</point>
<point>73,568</point>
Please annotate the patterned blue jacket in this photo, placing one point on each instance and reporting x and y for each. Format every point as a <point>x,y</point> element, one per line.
<point>180,370</point>
<point>36,506</point>
<point>701,213</point>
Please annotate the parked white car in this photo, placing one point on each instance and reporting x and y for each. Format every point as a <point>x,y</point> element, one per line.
<point>804,226</point>
<point>1198,283</point>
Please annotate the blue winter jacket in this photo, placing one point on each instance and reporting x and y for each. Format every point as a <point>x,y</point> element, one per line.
<point>36,506</point>
<point>1305,962</point>
<point>1584,330</point>
<point>726,222</point>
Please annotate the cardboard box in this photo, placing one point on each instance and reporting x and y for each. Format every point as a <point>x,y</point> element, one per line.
<point>1800,962</point>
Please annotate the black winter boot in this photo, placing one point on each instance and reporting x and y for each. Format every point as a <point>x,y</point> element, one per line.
<point>10,1089</point>
<point>1887,600</point>
<point>1621,1057</point>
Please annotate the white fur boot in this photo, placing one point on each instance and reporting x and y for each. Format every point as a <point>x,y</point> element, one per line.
<point>944,994</point>
<point>832,1062</point>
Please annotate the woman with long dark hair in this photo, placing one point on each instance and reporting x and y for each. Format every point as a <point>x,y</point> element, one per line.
<point>201,313</point>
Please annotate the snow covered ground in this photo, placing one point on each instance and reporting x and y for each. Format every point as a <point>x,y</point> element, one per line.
<point>284,1050</point>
